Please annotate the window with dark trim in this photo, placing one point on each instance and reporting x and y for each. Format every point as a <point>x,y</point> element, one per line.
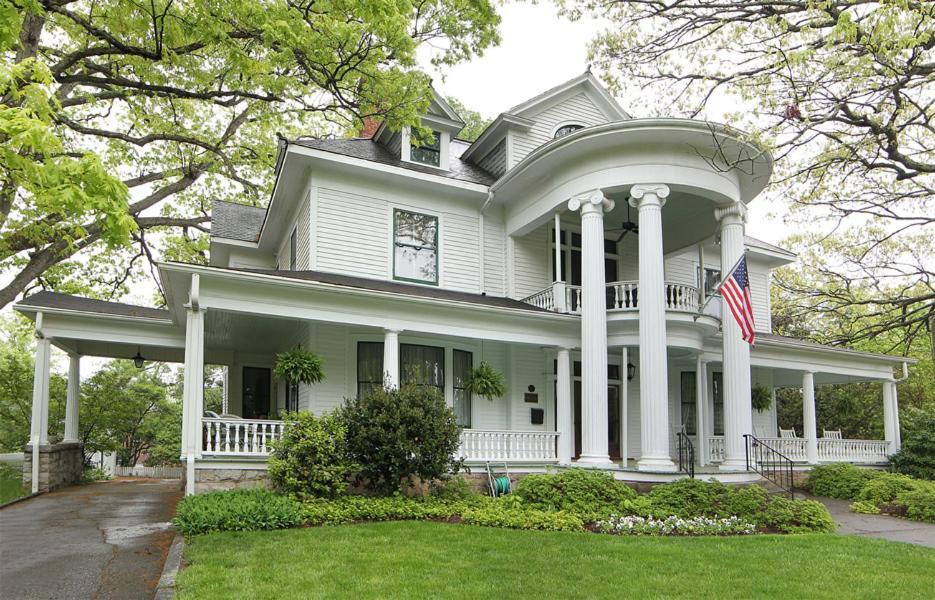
<point>369,367</point>
<point>422,365</point>
<point>428,152</point>
<point>710,280</point>
<point>567,129</point>
<point>461,374</point>
<point>292,250</point>
<point>689,402</point>
<point>415,247</point>
<point>717,380</point>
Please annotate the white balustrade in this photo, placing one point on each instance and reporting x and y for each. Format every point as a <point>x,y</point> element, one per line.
<point>716,448</point>
<point>624,295</point>
<point>544,299</point>
<point>854,451</point>
<point>521,446</point>
<point>573,299</point>
<point>239,437</point>
<point>621,295</point>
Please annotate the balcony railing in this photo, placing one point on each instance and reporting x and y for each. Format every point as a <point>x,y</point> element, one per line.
<point>239,437</point>
<point>855,451</point>
<point>497,446</point>
<point>620,295</point>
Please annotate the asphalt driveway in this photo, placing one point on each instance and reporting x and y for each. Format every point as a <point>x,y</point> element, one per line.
<point>103,540</point>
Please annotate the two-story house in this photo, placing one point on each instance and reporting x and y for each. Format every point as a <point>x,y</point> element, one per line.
<point>574,248</point>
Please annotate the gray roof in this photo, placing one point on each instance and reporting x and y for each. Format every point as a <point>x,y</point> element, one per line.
<point>756,243</point>
<point>236,221</point>
<point>367,149</point>
<point>54,300</point>
<point>396,287</point>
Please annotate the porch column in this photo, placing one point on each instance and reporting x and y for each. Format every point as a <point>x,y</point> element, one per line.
<point>624,404</point>
<point>391,358</point>
<point>39,424</point>
<point>809,422</point>
<point>193,387</point>
<point>563,408</point>
<point>72,398</point>
<point>593,328</point>
<point>890,416</point>
<point>654,384</point>
<point>701,409</point>
<point>738,411</point>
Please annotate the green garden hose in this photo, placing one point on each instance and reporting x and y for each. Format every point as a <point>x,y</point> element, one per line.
<point>502,485</point>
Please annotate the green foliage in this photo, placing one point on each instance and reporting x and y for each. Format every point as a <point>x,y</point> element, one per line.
<point>580,491</point>
<point>633,525</point>
<point>92,474</point>
<point>688,498</point>
<point>241,510</point>
<point>760,398</point>
<point>919,503</point>
<point>486,382</point>
<point>396,436</point>
<point>497,516</point>
<point>452,489</point>
<point>796,516</point>
<point>864,508</point>
<point>883,488</point>
<point>838,480</point>
<point>299,366</point>
<point>474,123</point>
<point>916,457</point>
<point>11,482</point>
<point>310,459</point>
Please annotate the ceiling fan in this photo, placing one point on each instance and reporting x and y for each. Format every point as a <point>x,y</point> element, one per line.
<point>626,227</point>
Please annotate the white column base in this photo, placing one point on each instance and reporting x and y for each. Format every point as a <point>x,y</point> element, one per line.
<point>602,462</point>
<point>657,464</point>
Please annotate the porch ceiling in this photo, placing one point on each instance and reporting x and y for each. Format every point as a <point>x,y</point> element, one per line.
<point>686,218</point>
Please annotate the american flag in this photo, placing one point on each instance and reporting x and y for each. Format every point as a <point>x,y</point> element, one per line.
<point>735,289</point>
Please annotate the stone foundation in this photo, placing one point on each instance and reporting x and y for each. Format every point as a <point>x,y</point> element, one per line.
<point>211,480</point>
<point>60,465</point>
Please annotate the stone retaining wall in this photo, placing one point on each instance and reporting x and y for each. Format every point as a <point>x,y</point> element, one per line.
<point>210,480</point>
<point>60,465</point>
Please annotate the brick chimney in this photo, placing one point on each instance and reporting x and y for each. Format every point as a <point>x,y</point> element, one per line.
<point>371,124</point>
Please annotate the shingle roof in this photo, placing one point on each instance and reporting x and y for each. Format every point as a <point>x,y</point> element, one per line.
<point>54,300</point>
<point>396,287</point>
<point>756,243</point>
<point>236,221</point>
<point>367,149</point>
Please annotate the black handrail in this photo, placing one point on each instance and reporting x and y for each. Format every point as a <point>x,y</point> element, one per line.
<point>772,464</point>
<point>686,454</point>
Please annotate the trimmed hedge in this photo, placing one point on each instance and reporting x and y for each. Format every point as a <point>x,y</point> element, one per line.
<point>839,480</point>
<point>579,491</point>
<point>239,510</point>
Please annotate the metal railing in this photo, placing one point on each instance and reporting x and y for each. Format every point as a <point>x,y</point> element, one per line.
<point>686,451</point>
<point>771,464</point>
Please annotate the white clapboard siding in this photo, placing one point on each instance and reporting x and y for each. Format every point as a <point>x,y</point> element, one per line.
<point>494,256</point>
<point>460,256</point>
<point>491,414</point>
<point>577,109</point>
<point>759,291</point>
<point>527,369</point>
<point>531,263</point>
<point>495,161</point>
<point>340,363</point>
<point>352,234</point>
<point>681,269</point>
<point>303,236</point>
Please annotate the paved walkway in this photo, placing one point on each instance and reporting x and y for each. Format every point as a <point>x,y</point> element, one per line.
<point>103,540</point>
<point>878,526</point>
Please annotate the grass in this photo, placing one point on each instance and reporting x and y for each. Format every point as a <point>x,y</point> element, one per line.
<point>424,559</point>
<point>11,483</point>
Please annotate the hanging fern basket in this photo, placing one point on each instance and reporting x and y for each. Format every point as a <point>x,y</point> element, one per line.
<point>760,398</point>
<point>486,382</point>
<point>299,366</point>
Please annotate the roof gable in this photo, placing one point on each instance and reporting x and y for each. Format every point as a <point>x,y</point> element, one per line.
<point>585,83</point>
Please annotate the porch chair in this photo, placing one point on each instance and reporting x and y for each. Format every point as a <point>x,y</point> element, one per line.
<point>787,433</point>
<point>831,434</point>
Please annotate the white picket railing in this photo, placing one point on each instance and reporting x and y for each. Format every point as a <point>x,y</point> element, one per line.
<point>855,451</point>
<point>150,472</point>
<point>239,437</point>
<point>621,295</point>
<point>479,445</point>
<point>544,299</point>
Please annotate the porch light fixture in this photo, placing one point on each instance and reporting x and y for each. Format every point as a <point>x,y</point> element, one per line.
<point>631,371</point>
<point>138,359</point>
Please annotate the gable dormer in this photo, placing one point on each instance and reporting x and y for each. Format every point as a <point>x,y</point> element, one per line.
<point>435,152</point>
<point>578,103</point>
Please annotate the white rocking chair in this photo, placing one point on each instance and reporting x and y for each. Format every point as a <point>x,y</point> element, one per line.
<point>831,434</point>
<point>787,433</point>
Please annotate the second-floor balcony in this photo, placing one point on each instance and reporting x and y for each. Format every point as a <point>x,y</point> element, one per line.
<point>620,295</point>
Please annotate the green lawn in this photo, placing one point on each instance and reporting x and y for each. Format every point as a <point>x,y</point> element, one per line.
<point>11,483</point>
<point>422,559</point>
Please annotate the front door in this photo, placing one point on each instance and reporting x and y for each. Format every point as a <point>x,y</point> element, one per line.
<point>613,420</point>
<point>256,393</point>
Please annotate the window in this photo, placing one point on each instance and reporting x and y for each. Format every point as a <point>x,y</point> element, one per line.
<point>711,279</point>
<point>292,247</point>
<point>429,153</point>
<point>461,373</point>
<point>369,367</point>
<point>689,402</point>
<point>566,129</point>
<point>718,386</point>
<point>571,260</point>
<point>422,365</point>
<point>415,247</point>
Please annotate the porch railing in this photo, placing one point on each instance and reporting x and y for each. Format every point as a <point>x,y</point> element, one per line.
<point>770,463</point>
<point>239,437</point>
<point>686,452</point>
<point>621,295</point>
<point>856,451</point>
<point>524,446</point>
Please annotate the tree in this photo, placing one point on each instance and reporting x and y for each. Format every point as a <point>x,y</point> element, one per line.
<point>841,92</point>
<point>474,123</point>
<point>120,121</point>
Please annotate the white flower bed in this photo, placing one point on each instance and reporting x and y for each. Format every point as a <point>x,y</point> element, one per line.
<point>632,525</point>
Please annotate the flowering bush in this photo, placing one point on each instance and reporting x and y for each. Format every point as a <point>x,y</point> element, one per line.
<point>633,525</point>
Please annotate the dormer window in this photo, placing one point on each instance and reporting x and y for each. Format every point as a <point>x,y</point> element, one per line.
<point>429,153</point>
<point>567,129</point>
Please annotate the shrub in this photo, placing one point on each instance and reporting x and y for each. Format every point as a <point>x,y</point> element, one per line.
<point>916,458</point>
<point>919,503</point>
<point>838,480</point>
<point>240,510</point>
<point>630,525</point>
<point>92,474</point>
<point>396,436</point>
<point>688,498</point>
<point>884,488</point>
<point>310,458</point>
<point>584,492</point>
<point>452,489</point>
<point>796,516</point>
<point>865,508</point>
<point>497,516</point>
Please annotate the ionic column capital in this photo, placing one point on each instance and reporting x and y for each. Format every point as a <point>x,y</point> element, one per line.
<point>735,212</point>
<point>591,201</point>
<point>648,194</point>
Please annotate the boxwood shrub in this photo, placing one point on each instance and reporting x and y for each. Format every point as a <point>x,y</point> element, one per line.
<point>580,491</point>
<point>838,480</point>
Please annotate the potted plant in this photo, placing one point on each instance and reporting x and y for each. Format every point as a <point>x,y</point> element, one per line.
<point>299,366</point>
<point>760,398</point>
<point>486,382</point>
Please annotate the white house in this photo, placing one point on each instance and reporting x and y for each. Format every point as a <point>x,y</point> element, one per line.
<point>572,247</point>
